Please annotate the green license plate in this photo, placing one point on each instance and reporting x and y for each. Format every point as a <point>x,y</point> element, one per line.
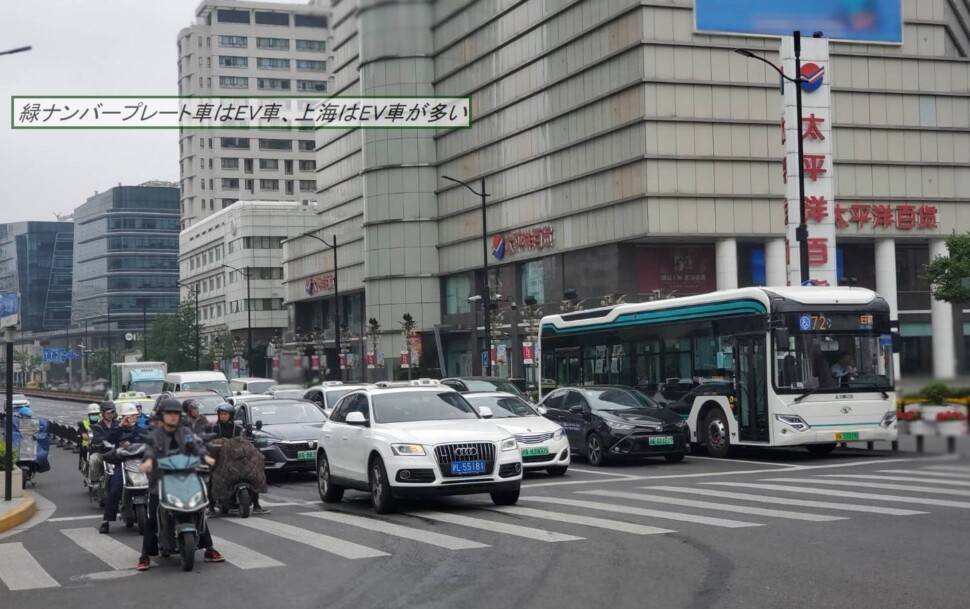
<point>306,455</point>
<point>661,441</point>
<point>847,435</point>
<point>535,452</point>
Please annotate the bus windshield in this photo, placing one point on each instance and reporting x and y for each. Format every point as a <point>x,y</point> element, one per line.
<point>835,352</point>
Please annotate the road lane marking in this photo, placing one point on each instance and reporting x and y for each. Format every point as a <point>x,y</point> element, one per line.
<point>20,571</point>
<point>71,518</point>
<point>748,462</point>
<point>389,528</point>
<point>831,492</point>
<point>919,472</point>
<point>634,511</point>
<point>877,485</point>
<point>964,483</point>
<point>599,473</point>
<point>110,551</point>
<point>600,523</point>
<point>495,527</point>
<point>960,469</point>
<point>848,507</point>
<point>344,549</point>
<point>243,557</point>
<point>739,509</point>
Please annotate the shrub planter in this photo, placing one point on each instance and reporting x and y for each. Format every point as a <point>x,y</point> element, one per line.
<point>18,483</point>
<point>919,428</point>
<point>928,412</point>
<point>950,428</point>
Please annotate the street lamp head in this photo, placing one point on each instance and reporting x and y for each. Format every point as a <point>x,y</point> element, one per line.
<point>746,53</point>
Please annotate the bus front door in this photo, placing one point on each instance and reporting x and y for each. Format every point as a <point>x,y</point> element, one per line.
<point>568,367</point>
<point>752,388</point>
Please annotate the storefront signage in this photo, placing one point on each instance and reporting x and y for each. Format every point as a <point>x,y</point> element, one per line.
<point>318,283</point>
<point>901,216</point>
<point>538,238</point>
<point>687,270</point>
<point>371,360</point>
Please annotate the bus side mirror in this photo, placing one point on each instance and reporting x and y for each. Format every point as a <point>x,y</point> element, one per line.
<point>781,339</point>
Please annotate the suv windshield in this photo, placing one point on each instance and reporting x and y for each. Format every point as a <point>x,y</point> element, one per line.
<point>491,385</point>
<point>404,407</point>
<point>271,412</point>
<point>503,406</point>
<point>333,396</point>
<point>615,398</point>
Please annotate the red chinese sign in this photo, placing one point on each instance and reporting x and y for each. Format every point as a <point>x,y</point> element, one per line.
<point>318,283</point>
<point>314,362</point>
<point>404,359</point>
<point>371,360</point>
<point>528,355</point>
<point>532,239</point>
<point>901,216</point>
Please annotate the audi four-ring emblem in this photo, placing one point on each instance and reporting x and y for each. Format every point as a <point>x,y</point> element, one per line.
<point>466,452</point>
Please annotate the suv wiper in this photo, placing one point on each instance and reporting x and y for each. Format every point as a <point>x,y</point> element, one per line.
<point>805,395</point>
<point>882,392</point>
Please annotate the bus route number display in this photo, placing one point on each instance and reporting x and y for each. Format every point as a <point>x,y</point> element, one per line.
<point>820,322</point>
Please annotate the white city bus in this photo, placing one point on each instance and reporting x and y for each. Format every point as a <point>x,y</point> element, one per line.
<point>803,366</point>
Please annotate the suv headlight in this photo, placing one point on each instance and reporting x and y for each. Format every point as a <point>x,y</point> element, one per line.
<point>509,444</point>
<point>888,419</point>
<point>558,434</point>
<point>680,424</point>
<point>795,422</point>
<point>407,450</point>
<point>620,426</point>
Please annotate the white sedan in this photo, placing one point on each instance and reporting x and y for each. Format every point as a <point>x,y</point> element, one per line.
<point>542,442</point>
<point>402,442</point>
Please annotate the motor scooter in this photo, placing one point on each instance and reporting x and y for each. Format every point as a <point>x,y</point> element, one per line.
<point>181,508</point>
<point>134,494</point>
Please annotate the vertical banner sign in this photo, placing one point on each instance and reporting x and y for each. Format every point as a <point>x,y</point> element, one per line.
<point>380,359</point>
<point>276,363</point>
<point>298,362</point>
<point>235,363</point>
<point>343,361</point>
<point>493,355</point>
<point>527,354</point>
<point>816,134</point>
<point>404,359</point>
<point>371,360</point>
<point>501,353</point>
<point>315,363</point>
<point>215,364</point>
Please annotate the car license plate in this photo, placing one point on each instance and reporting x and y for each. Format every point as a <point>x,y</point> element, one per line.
<point>661,441</point>
<point>306,455</point>
<point>847,435</point>
<point>536,451</point>
<point>464,468</point>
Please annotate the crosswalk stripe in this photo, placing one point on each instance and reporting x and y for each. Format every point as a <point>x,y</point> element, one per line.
<point>389,528</point>
<point>634,511</point>
<point>72,518</point>
<point>600,523</point>
<point>345,549</point>
<point>495,527</point>
<point>919,472</point>
<point>960,469</point>
<point>963,483</point>
<point>888,487</point>
<point>242,557</point>
<point>832,492</point>
<point>19,570</point>
<point>110,551</point>
<point>829,505</point>
<point>740,509</point>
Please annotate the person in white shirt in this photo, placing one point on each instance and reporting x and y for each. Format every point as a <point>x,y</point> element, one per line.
<point>843,369</point>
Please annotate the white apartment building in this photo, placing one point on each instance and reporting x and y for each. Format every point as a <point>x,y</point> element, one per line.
<point>260,49</point>
<point>216,254</point>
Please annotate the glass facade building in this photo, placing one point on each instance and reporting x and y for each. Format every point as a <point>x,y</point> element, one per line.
<point>126,262</point>
<point>36,262</point>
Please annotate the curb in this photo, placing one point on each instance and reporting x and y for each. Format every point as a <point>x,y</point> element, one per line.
<point>20,515</point>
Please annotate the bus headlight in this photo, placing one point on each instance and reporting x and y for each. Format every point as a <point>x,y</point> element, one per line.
<point>795,422</point>
<point>888,419</point>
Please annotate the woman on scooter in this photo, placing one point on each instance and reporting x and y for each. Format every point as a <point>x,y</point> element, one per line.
<point>225,428</point>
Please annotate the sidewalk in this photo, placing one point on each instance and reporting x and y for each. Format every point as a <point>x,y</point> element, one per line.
<point>17,511</point>
<point>932,445</point>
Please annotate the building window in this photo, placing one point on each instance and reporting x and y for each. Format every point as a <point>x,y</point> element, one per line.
<point>311,65</point>
<point>200,82</point>
<point>230,183</point>
<point>311,85</point>
<point>267,18</point>
<point>225,15</point>
<point>235,142</point>
<point>227,202</point>
<point>306,145</point>
<point>273,63</point>
<point>269,164</point>
<point>317,46</point>
<point>308,165</point>
<point>229,61</point>
<point>273,83</point>
<point>308,185</point>
<point>457,291</point>
<point>309,21</point>
<point>233,82</point>
<point>279,44</point>
<point>208,62</point>
<point>239,42</point>
<point>230,163</point>
<point>273,185</point>
<point>265,144</point>
<point>200,62</point>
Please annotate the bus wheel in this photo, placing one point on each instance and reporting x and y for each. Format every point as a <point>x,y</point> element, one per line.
<point>820,450</point>
<point>717,435</point>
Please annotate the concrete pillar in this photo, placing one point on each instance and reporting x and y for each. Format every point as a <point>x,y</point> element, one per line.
<point>726,260</point>
<point>886,283</point>
<point>941,317</point>
<point>776,270</point>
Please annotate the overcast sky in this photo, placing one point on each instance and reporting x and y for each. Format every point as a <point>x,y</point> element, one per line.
<point>85,47</point>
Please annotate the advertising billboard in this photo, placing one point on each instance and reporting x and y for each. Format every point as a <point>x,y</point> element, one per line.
<point>855,20</point>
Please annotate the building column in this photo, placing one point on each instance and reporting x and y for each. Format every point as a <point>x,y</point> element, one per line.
<point>726,263</point>
<point>941,317</point>
<point>776,270</point>
<point>886,284</point>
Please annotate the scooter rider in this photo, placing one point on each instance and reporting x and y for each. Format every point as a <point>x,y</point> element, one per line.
<point>226,428</point>
<point>92,418</point>
<point>193,419</point>
<point>128,432</point>
<point>167,438</point>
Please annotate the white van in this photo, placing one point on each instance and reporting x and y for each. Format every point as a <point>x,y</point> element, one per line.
<point>251,384</point>
<point>197,381</point>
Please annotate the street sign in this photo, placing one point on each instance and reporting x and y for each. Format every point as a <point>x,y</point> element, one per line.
<point>59,356</point>
<point>129,336</point>
<point>484,359</point>
<point>9,310</point>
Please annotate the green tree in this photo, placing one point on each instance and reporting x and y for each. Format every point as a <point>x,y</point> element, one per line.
<point>99,364</point>
<point>173,337</point>
<point>949,276</point>
<point>408,324</point>
<point>28,363</point>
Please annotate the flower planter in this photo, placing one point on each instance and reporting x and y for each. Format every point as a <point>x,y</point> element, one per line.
<point>950,428</point>
<point>919,428</point>
<point>928,412</point>
<point>18,483</point>
<point>903,426</point>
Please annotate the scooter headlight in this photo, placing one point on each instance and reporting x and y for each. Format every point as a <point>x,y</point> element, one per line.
<point>196,500</point>
<point>175,501</point>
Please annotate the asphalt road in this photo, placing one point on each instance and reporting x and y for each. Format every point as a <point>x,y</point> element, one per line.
<point>766,529</point>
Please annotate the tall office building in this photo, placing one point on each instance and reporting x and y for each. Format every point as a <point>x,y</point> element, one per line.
<point>250,48</point>
<point>126,259</point>
<point>35,261</point>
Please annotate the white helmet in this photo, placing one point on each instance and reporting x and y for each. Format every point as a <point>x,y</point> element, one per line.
<point>127,409</point>
<point>94,409</point>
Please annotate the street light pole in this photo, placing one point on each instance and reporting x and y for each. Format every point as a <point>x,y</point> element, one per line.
<point>486,296</point>
<point>801,232</point>
<point>249,311</point>
<point>336,293</point>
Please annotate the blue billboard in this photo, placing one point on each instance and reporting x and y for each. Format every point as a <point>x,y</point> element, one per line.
<point>856,20</point>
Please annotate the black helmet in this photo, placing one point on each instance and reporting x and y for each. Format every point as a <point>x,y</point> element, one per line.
<point>170,405</point>
<point>226,407</point>
<point>108,407</point>
<point>190,404</point>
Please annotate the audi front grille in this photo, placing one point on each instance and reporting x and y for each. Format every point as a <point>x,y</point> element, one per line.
<point>446,454</point>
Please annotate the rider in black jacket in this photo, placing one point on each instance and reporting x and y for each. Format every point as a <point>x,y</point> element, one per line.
<point>226,428</point>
